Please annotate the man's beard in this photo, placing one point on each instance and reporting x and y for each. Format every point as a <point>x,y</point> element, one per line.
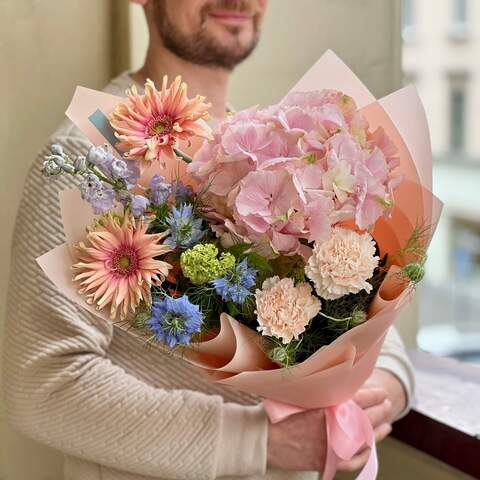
<point>199,47</point>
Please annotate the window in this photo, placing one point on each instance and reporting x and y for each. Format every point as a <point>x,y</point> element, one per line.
<point>466,253</point>
<point>457,113</point>
<point>459,12</point>
<point>448,81</point>
<point>408,20</point>
<point>459,24</point>
<point>449,311</point>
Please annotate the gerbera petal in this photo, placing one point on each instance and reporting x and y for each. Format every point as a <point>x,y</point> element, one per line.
<point>117,264</point>
<point>148,125</point>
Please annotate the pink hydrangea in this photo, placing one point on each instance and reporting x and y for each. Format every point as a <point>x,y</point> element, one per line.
<point>283,176</point>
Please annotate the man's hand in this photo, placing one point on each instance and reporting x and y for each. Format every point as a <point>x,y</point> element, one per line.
<point>383,398</point>
<point>298,442</point>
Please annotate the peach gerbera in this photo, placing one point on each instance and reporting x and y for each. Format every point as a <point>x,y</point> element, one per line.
<point>149,126</point>
<point>116,264</point>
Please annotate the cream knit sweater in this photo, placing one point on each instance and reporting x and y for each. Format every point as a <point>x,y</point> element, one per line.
<point>115,408</point>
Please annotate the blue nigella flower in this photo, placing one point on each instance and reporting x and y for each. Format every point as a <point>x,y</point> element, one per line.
<point>160,190</point>
<point>185,230</point>
<point>235,286</point>
<point>174,320</point>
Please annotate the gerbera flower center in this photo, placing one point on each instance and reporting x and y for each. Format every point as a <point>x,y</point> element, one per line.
<point>125,260</point>
<point>162,125</point>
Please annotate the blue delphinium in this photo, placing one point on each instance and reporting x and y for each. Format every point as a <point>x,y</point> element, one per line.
<point>235,286</point>
<point>174,320</point>
<point>100,196</point>
<point>103,158</point>
<point>181,192</point>
<point>138,205</point>
<point>126,170</point>
<point>159,191</point>
<point>185,229</point>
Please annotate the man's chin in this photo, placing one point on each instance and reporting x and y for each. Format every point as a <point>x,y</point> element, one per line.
<point>231,38</point>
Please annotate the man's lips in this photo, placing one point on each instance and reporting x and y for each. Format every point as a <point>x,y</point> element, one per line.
<point>231,16</point>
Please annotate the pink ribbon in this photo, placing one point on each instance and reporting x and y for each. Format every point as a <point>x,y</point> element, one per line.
<point>348,430</point>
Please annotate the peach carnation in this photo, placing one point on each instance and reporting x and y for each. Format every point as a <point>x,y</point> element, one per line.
<point>283,309</point>
<point>342,264</point>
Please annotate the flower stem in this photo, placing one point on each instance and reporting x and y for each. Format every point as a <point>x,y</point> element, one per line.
<point>335,319</point>
<point>182,155</point>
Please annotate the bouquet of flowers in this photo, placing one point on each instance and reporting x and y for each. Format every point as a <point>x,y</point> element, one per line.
<point>276,257</point>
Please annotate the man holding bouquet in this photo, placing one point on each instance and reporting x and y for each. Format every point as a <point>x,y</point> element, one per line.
<point>119,410</point>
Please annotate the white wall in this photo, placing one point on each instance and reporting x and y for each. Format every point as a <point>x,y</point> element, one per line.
<point>365,33</point>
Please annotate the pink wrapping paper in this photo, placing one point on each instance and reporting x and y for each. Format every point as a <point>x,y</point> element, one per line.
<point>234,357</point>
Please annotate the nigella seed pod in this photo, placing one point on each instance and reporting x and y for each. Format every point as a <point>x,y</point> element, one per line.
<point>358,317</point>
<point>279,354</point>
<point>415,271</point>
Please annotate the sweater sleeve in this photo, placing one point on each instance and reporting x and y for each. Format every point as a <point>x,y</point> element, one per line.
<point>61,388</point>
<point>394,358</point>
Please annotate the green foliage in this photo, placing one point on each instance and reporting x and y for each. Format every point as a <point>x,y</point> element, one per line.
<point>210,304</point>
<point>292,266</point>
<point>233,309</point>
<point>415,249</point>
<point>260,264</point>
<point>159,223</point>
<point>239,250</point>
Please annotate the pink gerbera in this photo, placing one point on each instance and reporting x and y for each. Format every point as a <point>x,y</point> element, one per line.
<point>149,126</point>
<point>117,266</point>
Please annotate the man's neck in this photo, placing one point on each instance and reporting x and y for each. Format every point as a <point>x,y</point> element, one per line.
<point>207,81</point>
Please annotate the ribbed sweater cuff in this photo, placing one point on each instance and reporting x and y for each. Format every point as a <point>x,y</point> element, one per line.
<point>242,449</point>
<point>398,366</point>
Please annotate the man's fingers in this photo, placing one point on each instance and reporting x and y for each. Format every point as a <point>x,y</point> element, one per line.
<point>368,397</point>
<point>356,463</point>
<point>360,459</point>
<point>379,414</point>
<point>382,432</point>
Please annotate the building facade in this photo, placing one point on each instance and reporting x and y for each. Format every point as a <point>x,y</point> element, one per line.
<point>441,56</point>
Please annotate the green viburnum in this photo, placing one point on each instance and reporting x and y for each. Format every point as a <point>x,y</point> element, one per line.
<point>201,263</point>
